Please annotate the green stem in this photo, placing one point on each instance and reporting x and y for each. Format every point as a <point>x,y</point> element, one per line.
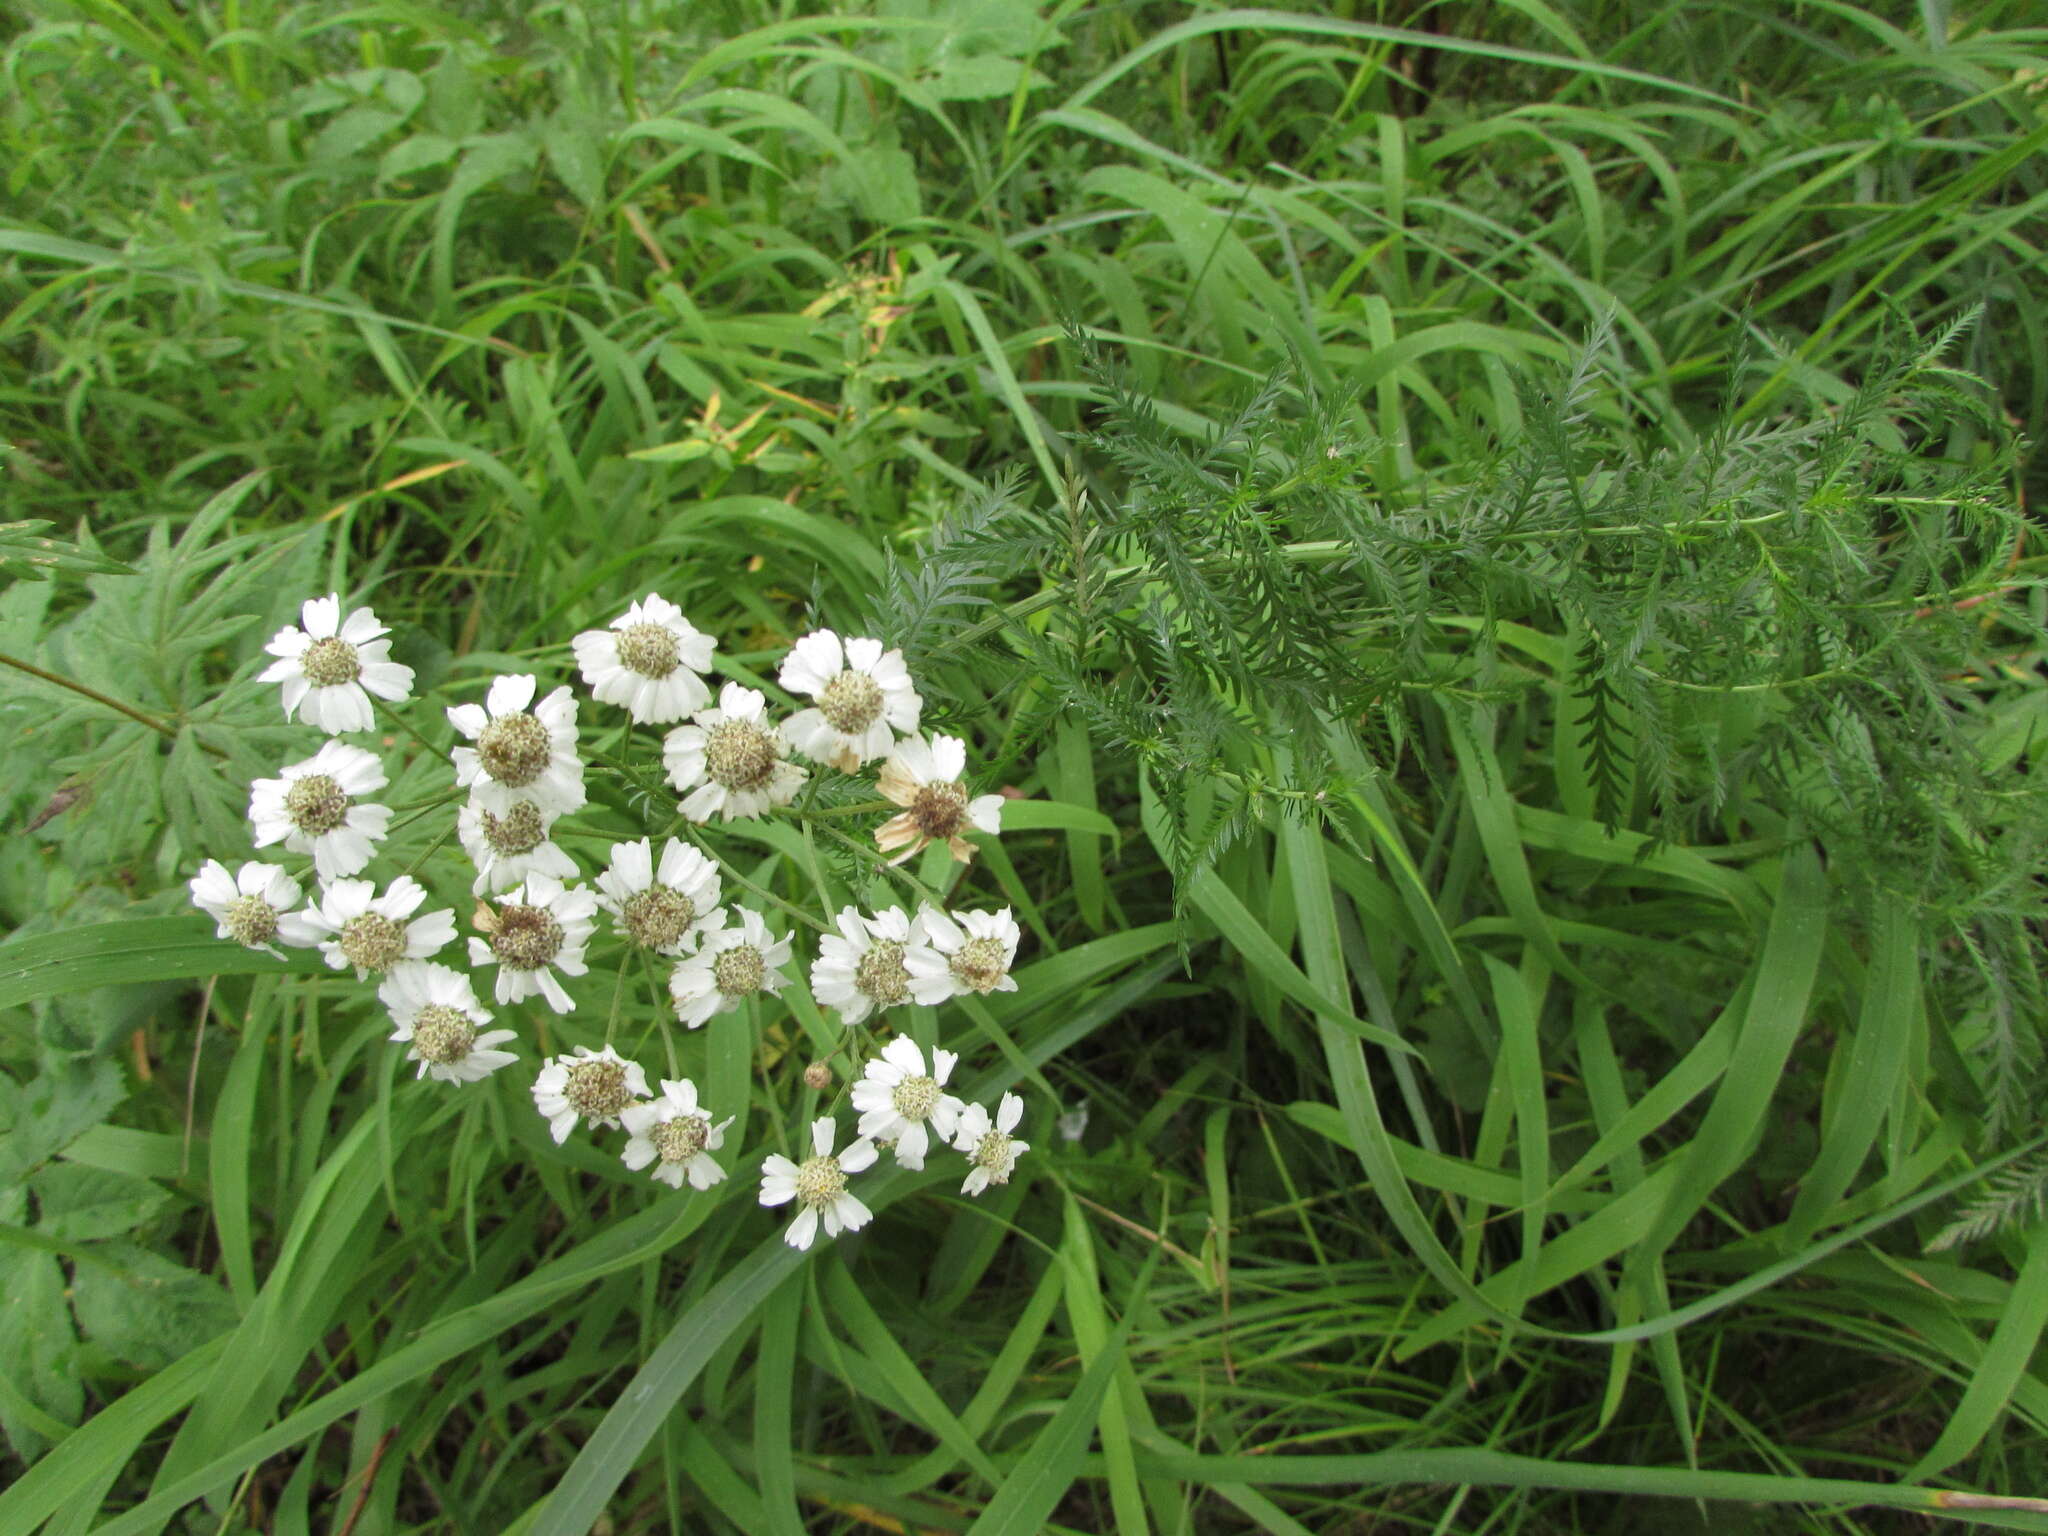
<point>762,892</point>
<point>161,727</point>
<point>407,726</point>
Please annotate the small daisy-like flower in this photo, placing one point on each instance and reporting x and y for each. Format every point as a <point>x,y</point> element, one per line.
<point>897,1099</point>
<point>437,1014</point>
<point>330,668</point>
<point>520,753</point>
<point>659,914</point>
<point>253,907</point>
<point>730,759</point>
<point>540,927</point>
<point>864,699</point>
<point>674,1134</point>
<point>863,966</point>
<point>375,933</point>
<point>315,807</point>
<point>818,1185</point>
<point>964,952</point>
<point>598,1086</point>
<point>648,661</point>
<point>991,1148</point>
<point>925,779</point>
<point>507,848</point>
<point>729,965</point>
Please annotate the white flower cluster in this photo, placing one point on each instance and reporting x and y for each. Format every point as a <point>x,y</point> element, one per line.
<point>518,770</point>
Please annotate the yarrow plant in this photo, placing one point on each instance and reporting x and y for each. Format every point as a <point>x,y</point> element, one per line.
<point>536,809</point>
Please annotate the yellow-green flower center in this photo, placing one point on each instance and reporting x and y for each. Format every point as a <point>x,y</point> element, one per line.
<point>441,1034</point>
<point>597,1089</point>
<point>526,938</point>
<point>738,972</point>
<point>680,1139</point>
<point>372,942</point>
<point>520,830</point>
<point>993,1153</point>
<point>648,649</point>
<point>980,964</point>
<point>740,755</point>
<point>329,663</point>
<point>658,917</point>
<point>916,1097</point>
<point>819,1181</point>
<point>880,973</point>
<point>250,920</point>
<point>514,749</point>
<point>316,805</point>
<point>851,702</point>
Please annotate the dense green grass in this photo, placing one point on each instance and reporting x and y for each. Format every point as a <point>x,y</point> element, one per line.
<point>1499,1117</point>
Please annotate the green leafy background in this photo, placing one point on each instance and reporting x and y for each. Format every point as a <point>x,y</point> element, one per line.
<point>1490,542</point>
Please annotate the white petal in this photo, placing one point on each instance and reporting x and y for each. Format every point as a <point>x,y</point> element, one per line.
<point>321,616</point>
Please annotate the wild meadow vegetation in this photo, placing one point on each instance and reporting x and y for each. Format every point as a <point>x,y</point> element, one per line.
<point>1486,549</point>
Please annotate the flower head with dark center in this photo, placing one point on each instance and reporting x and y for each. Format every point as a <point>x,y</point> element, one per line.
<point>925,778</point>
<point>729,761</point>
<point>376,933</point>
<point>317,807</point>
<point>676,1135</point>
<point>650,662</point>
<point>439,1018</point>
<point>541,929</point>
<point>817,1185</point>
<point>862,699</point>
<point>329,669</point>
<point>732,962</point>
<point>904,1105</point>
<point>519,750</point>
<point>595,1086</point>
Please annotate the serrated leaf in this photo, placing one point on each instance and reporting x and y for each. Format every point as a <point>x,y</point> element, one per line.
<point>38,1345</point>
<point>575,155</point>
<point>147,1311</point>
<point>80,1204</point>
<point>52,1109</point>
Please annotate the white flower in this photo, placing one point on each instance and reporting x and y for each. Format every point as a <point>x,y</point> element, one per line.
<point>897,1099</point>
<point>374,933</point>
<point>865,699</point>
<point>925,779</point>
<point>326,667</point>
<point>990,1147</point>
<point>729,966</point>
<point>674,1131</point>
<point>730,759</point>
<point>818,1185</point>
<point>520,753</point>
<point>507,848</point>
<point>863,966</point>
<point>253,906</point>
<point>437,1013</point>
<point>314,807</point>
<point>1073,1125</point>
<point>647,661</point>
<point>540,927</point>
<point>662,914</point>
<point>598,1086</point>
<point>964,952</point>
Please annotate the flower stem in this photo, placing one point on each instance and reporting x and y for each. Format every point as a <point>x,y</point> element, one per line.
<point>161,727</point>
<point>765,894</point>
